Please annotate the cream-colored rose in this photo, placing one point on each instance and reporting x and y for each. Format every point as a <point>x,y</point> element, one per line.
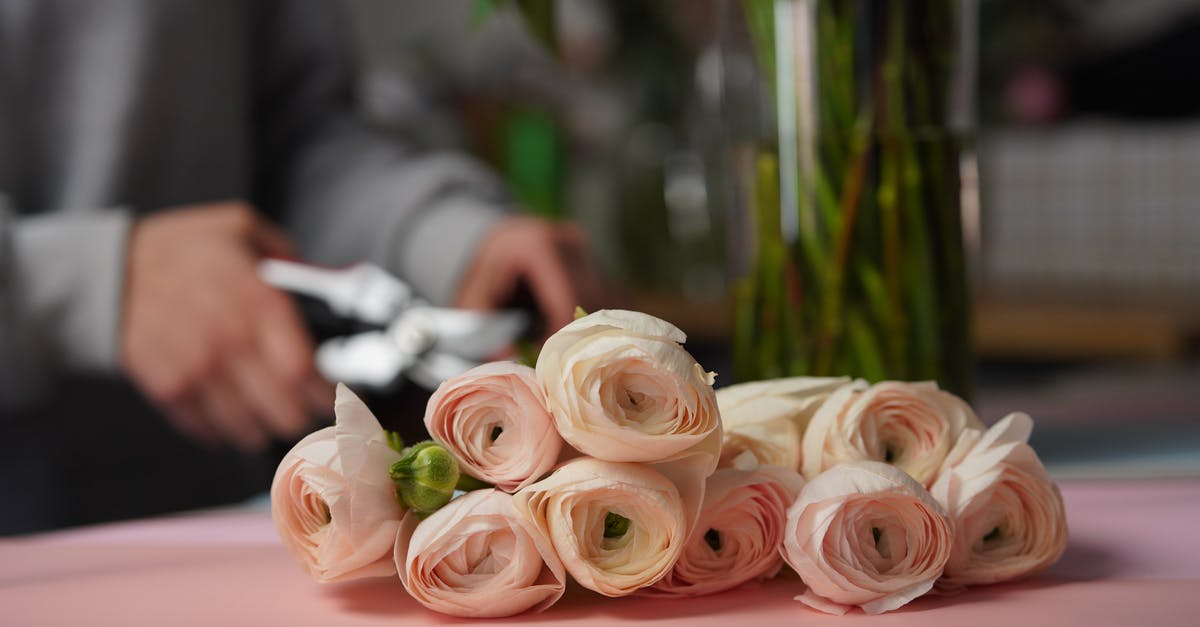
<point>622,388</point>
<point>478,557</point>
<point>493,418</point>
<point>332,500</point>
<point>865,534</point>
<point>764,421</point>
<point>1008,514</point>
<point>616,526</point>
<point>909,425</point>
<point>739,534</point>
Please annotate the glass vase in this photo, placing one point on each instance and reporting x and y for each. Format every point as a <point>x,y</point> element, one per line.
<point>848,125</point>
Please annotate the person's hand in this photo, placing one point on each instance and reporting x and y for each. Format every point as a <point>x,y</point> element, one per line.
<point>550,258</point>
<point>224,355</point>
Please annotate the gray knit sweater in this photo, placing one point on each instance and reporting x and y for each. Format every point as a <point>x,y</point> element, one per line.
<point>111,109</point>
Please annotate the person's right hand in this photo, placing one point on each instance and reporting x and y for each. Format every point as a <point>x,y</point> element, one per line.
<point>223,354</point>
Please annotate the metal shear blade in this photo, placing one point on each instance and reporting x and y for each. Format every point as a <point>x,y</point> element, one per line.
<point>429,344</point>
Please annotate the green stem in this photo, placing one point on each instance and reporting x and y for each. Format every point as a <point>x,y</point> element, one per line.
<point>539,15</point>
<point>875,283</point>
<point>829,333</point>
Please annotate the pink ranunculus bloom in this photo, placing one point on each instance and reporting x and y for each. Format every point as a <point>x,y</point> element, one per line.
<point>909,425</point>
<point>764,421</point>
<point>739,533</point>
<point>617,526</point>
<point>493,418</point>
<point>478,557</point>
<point>332,500</point>
<point>622,388</point>
<point>1008,514</point>
<point>866,534</point>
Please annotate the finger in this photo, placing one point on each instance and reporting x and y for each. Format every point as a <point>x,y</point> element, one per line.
<point>277,404</point>
<point>187,417</point>
<point>165,363</point>
<point>481,289</point>
<point>571,236</point>
<point>483,282</point>
<point>230,415</point>
<point>270,241</point>
<point>319,397</point>
<point>586,277</point>
<point>543,268</point>
<point>242,218</point>
<point>281,337</point>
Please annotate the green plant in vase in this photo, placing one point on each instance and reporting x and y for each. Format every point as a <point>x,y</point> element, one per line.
<point>854,198</point>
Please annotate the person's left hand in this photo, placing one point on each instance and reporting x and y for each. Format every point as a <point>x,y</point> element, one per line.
<point>550,258</point>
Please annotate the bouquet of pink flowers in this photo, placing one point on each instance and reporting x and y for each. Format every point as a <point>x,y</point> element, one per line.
<point>610,462</point>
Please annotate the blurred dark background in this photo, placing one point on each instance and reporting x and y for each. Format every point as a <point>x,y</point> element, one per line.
<point>1085,237</point>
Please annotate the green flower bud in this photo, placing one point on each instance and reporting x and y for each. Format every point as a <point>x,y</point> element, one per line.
<point>425,477</point>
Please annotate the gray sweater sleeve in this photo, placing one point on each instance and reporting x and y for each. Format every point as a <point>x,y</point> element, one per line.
<point>60,292</point>
<point>346,191</point>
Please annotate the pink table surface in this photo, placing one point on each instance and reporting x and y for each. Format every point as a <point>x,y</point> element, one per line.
<point>1133,559</point>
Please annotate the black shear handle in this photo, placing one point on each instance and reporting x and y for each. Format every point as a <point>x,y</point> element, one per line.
<point>323,323</point>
